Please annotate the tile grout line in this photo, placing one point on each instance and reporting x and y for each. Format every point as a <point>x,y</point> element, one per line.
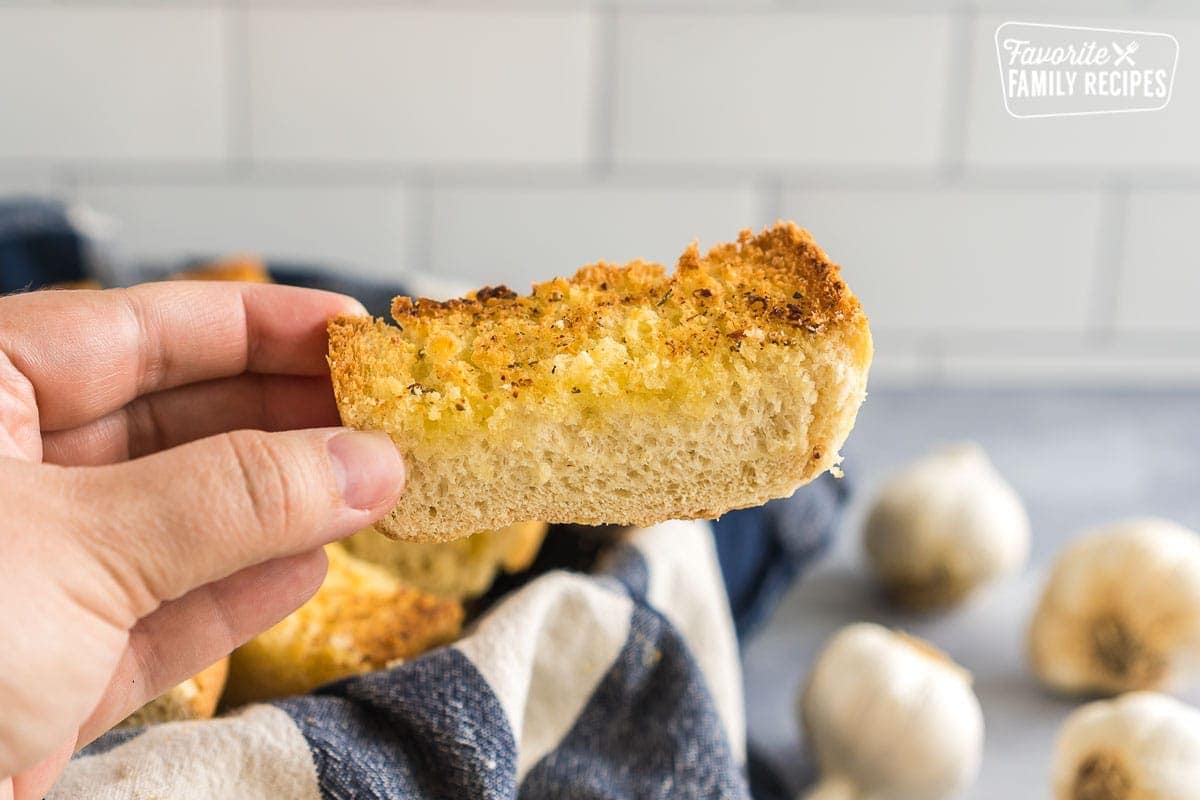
<point>375,171</point>
<point>419,218</point>
<point>1106,272</point>
<point>109,4</point>
<point>934,352</point>
<point>769,200</point>
<point>774,7</point>
<point>764,7</point>
<point>958,91</point>
<point>237,84</point>
<point>68,181</point>
<point>602,133</point>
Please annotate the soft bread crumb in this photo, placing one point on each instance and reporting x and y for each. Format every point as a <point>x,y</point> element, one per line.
<point>623,395</point>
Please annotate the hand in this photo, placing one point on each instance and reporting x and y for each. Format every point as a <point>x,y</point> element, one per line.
<point>140,539</point>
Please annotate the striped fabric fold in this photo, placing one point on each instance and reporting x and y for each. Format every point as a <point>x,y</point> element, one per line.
<point>623,683</point>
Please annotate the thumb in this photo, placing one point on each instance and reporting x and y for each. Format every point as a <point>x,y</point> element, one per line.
<point>36,781</point>
<point>164,524</point>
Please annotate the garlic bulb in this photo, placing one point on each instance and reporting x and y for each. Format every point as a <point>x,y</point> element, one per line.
<point>889,717</point>
<point>1121,610</point>
<point>944,526</point>
<point>1141,746</point>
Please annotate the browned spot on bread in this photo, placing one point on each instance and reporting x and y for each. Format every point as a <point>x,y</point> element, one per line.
<point>397,625</point>
<point>780,277</point>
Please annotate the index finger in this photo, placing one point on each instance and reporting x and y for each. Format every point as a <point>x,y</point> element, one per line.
<point>88,353</point>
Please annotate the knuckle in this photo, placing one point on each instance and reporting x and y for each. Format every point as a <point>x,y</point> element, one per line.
<point>18,402</point>
<point>143,326</point>
<point>143,425</point>
<point>95,531</point>
<point>149,662</point>
<point>222,619</point>
<point>269,482</point>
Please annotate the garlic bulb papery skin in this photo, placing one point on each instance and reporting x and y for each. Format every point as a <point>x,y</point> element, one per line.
<point>943,526</point>
<point>1140,746</point>
<point>1120,611</point>
<point>890,717</point>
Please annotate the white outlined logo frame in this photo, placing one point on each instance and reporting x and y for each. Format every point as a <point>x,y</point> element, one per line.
<point>1093,112</point>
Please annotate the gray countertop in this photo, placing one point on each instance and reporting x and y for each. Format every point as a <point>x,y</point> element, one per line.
<point>1078,458</point>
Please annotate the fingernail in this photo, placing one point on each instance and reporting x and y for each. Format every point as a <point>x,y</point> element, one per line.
<point>368,467</point>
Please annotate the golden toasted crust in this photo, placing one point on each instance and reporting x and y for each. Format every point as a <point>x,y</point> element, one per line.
<point>779,283</point>
<point>523,541</point>
<point>461,569</point>
<point>210,682</point>
<point>194,698</point>
<point>781,280</point>
<point>244,268</point>
<point>755,345</point>
<point>361,619</point>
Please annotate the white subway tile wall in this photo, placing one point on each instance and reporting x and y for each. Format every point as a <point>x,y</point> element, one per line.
<point>517,236</point>
<point>119,83</point>
<point>359,229</point>
<point>948,260</point>
<point>514,140</point>
<point>16,182</point>
<point>720,88</point>
<point>377,84</point>
<point>1159,283</point>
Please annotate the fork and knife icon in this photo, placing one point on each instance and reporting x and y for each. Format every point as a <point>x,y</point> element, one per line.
<point>1126,54</point>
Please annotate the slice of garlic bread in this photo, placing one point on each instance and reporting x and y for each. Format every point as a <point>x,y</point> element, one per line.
<point>362,619</point>
<point>623,395</point>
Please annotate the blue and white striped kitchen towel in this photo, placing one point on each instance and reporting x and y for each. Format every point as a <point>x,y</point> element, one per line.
<point>624,683</point>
